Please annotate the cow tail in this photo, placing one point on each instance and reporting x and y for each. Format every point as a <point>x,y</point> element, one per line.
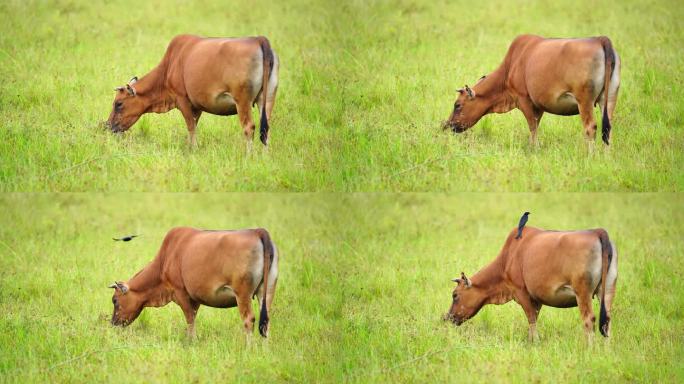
<point>268,259</point>
<point>606,259</point>
<point>267,54</point>
<point>609,55</point>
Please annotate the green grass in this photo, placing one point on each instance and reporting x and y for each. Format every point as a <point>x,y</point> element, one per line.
<point>363,88</point>
<point>364,279</point>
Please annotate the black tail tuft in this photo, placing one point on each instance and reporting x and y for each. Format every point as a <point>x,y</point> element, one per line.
<point>263,126</point>
<point>609,54</point>
<point>605,127</point>
<point>263,319</point>
<point>603,320</point>
<point>606,260</point>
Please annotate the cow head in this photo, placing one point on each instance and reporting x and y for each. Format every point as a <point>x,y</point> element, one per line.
<point>468,109</point>
<point>467,301</point>
<point>127,108</point>
<point>127,304</point>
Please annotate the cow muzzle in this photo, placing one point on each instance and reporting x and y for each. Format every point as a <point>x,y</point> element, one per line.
<point>454,126</point>
<point>115,127</point>
<point>118,322</point>
<point>453,319</point>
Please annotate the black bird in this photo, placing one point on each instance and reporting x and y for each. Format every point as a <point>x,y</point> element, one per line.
<point>521,224</point>
<point>126,238</point>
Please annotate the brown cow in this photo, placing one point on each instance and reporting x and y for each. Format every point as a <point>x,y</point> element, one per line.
<point>559,76</point>
<point>221,269</point>
<point>554,268</point>
<point>221,76</point>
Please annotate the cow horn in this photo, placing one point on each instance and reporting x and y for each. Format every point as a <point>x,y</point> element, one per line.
<point>465,279</point>
<point>133,80</point>
<point>119,89</point>
<point>470,92</point>
<point>131,90</point>
<point>123,288</point>
<point>456,280</point>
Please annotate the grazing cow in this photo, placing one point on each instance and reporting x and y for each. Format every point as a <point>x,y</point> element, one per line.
<point>554,268</point>
<point>559,76</point>
<point>221,76</point>
<point>221,269</point>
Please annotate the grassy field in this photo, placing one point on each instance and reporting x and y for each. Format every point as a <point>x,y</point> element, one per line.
<point>363,89</point>
<point>364,280</point>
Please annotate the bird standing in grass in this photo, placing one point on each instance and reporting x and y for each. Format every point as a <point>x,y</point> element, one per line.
<point>125,238</point>
<point>521,224</point>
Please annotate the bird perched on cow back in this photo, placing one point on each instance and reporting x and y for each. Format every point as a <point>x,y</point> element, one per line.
<point>521,224</point>
<point>125,238</point>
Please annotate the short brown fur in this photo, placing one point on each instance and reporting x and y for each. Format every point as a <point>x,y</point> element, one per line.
<point>214,268</point>
<point>554,268</point>
<point>558,76</point>
<point>221,76</point>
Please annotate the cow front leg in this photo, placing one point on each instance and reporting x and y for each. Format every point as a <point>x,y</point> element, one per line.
<point>189,307</point>
<point>191,116</point>
<point>531,308</point>
<point>533,115</point>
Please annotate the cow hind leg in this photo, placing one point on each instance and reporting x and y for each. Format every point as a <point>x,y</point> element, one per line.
<point>244,303</point>
<point>586,112</point>
<point>611,281</point>
<point>270,101</point>
<point>244,110</point>
<point>586,312</point>
<point>613,90</point>
<point>269,294</point>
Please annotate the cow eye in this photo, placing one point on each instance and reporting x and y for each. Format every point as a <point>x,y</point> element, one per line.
<point>114,300</point>
<point>118,105</point>
<point>457,105</point>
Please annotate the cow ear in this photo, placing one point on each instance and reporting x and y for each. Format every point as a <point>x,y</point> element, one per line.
<point>120,286</point>
<point>465,279</point>
<point>460,90</point>
<point>456,280</point>
<point>471,94</point>
<point>119,89</point>
<point>131,90</point>
<point>123,287</point>
<point>133,80</point>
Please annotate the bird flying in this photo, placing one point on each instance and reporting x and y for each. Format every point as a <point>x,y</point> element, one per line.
<point>125,238</point>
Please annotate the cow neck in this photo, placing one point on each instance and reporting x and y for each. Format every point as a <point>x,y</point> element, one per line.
<point>152,88</point>
<point>490,280</point>
<point>492,89</point>
<point>148,284</point>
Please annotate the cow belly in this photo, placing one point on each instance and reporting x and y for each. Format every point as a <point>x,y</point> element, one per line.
<point>223,297</point>
<point>565,104</point>
<point>223,104</point>
<point>563,297</point>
